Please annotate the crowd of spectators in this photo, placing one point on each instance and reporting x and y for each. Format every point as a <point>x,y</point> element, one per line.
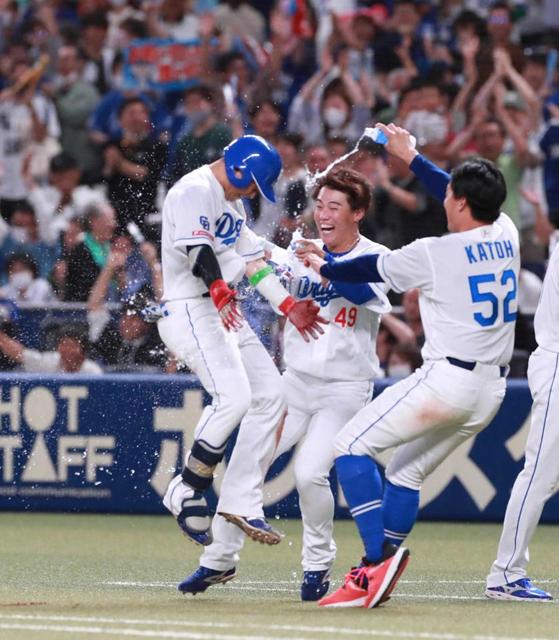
<point>87,153</point>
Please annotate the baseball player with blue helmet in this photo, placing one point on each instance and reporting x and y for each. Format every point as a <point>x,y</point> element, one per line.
<point>325,382</point>
<point>206,249</point>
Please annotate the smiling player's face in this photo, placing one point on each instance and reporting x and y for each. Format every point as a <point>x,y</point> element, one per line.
<point>337,223</point>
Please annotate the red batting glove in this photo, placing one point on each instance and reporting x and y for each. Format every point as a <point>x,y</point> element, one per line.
<point>303,314</point>
<point>225,300</point>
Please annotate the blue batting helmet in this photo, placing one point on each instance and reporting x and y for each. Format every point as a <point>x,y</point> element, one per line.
<point>251,158</point>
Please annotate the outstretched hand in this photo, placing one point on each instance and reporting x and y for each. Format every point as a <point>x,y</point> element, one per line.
<point>400,142</point>
<point>225,301</point>
<point>304,316</point>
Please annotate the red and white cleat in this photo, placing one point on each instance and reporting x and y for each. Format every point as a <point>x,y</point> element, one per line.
<point>384,576</point>
<point>353,592</point>
<point>370,585</point>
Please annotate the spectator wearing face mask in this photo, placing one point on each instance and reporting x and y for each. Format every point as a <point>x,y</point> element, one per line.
<point>69,357</point>
<point>206,136</point>
<point>341,109</point>
<point>24,285</point>
<point>22,236</point>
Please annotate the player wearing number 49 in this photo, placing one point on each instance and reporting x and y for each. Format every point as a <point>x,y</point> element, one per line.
<point>467,282</point>
<point>206,248</point>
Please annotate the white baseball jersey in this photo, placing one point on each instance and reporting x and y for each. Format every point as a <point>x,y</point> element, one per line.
<point>468,290</point>
<point>546,321</point>
<point>347,350</point>
<point>195,211</point>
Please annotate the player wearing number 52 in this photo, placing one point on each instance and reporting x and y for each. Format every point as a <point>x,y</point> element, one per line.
<point>467,282</point>
<point>206,250</point>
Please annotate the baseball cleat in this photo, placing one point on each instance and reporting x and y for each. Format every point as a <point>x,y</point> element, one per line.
<point>353,592</point>
<point>190,510</point>
<point>257,529</point>
<point>370,585</point>
<point>203,578</point>
<point>315,584</point>
<point>522,590</point>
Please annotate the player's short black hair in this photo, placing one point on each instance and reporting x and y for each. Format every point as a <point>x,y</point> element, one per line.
<point>348,181</point>
<point>483,187</point>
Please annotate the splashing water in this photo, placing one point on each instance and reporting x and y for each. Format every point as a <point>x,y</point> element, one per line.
<point>371,136</point>
<point>312,178</point>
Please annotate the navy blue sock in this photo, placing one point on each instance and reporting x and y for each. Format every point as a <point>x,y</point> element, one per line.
<point>399,506</point>
<point>362,486</point>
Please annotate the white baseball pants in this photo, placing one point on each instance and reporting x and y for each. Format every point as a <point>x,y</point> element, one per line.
<point>426,416</point>
<point>317,411</point>
<point>539,478</point>
<point>245,385</point>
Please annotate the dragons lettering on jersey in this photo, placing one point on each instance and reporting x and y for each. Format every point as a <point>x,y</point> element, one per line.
<point>228,228</point>
<point>322,295</point>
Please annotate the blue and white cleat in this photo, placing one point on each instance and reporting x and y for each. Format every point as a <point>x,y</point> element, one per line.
<point>522,590</point>
<point>256,528</point>
<point>315,585</point>
<point>203,578</point>
<point>190,510</point>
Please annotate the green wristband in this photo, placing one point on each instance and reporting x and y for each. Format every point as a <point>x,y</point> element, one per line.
<point>257,277</point>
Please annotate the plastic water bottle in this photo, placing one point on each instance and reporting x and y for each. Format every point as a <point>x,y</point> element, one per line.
<point>378,137</point>
<point>295,238</point>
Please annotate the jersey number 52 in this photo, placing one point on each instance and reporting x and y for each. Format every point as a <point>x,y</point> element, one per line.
<point>508,289</point>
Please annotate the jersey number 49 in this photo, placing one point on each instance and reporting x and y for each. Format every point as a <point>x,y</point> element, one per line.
<point>346,317</point>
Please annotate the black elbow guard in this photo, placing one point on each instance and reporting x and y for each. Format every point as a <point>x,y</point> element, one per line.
<point>205,265</point>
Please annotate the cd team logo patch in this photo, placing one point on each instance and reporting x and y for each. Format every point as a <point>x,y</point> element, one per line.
<point>228,228</point>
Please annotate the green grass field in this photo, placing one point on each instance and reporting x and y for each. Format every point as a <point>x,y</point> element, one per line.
<point>78,576</point>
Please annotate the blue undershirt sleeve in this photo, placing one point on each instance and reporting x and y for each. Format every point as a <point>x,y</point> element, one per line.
<point>360,269</point>
<point>355,293</point>
<point>434,179</point>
